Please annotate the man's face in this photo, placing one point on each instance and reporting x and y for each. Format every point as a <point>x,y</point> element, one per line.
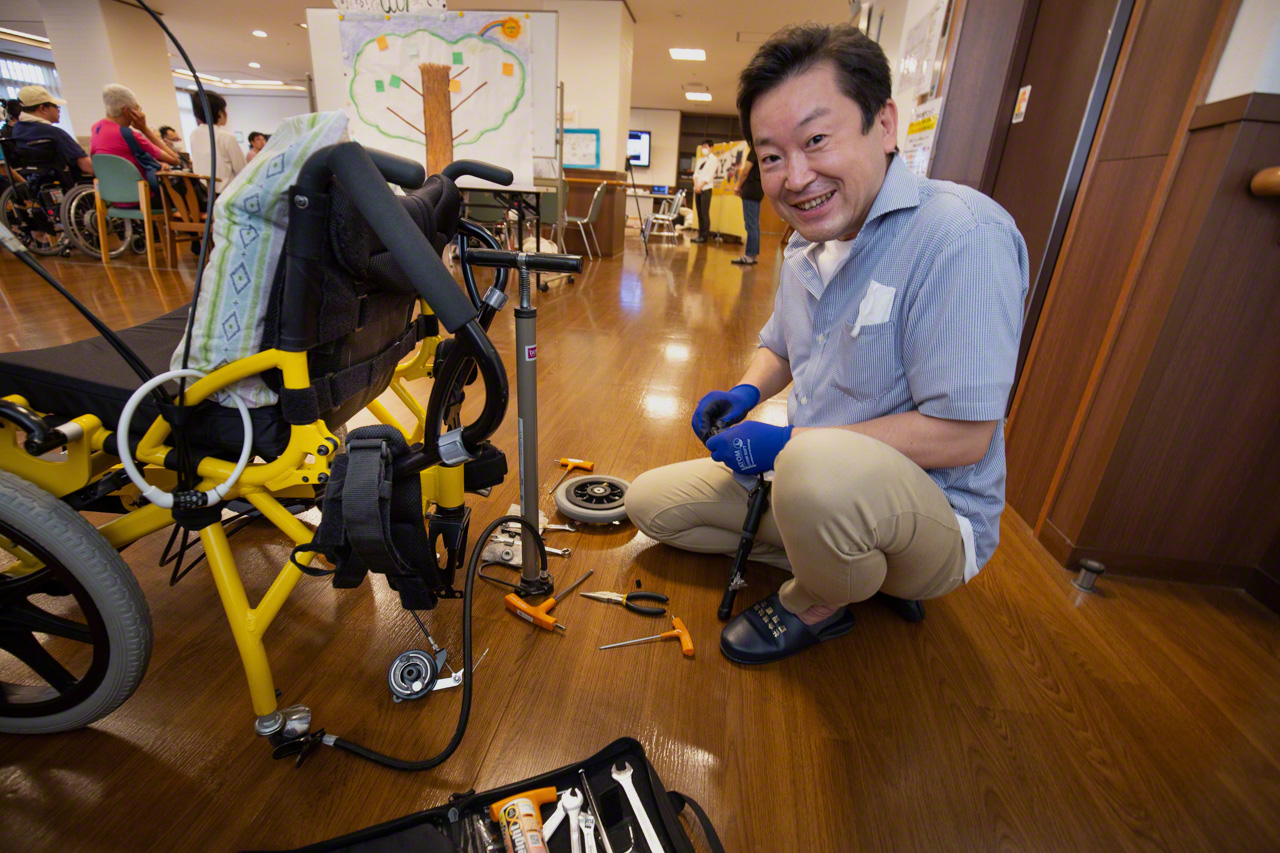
<point>171,136</point>
<point>49,112</point>
<point>819,169</point>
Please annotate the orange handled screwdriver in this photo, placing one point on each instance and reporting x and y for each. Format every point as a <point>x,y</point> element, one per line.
<point>680,633</point>
<point>541,615</point>
<point>579,464</point>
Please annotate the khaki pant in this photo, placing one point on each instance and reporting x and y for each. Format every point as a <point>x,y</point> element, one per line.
<point>849,516</point>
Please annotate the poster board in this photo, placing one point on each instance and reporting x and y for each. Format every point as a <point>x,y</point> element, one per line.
<point>503,89</point>
<point>730,158</point>
<point>581,148</point>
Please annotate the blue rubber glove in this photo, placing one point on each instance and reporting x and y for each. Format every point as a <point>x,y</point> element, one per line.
<point>749,448</point>
<point>720,409</point>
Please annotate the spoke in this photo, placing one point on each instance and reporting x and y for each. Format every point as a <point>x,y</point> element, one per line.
<point>27,616</point>
<point>26,648</point>
<point>18,589</point>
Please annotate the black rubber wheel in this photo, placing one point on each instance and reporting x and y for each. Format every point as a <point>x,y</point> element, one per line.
<point>594,499</point>
<point>80,224</point>
<point>75,631</point>
<point>37,230</point>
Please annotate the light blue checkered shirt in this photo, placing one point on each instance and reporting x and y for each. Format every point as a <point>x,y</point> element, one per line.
<point>944,342</point>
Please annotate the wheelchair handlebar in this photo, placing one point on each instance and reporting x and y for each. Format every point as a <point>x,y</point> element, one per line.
<point>399,170</point>
<point>533,261</point>
<point>476,169</point>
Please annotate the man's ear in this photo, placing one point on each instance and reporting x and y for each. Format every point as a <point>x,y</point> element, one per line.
<point>887,126</point>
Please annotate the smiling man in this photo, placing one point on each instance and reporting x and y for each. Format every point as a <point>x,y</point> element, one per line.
<point>896,322</point>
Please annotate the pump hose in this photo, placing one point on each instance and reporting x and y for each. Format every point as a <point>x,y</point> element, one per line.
<point>472,565</point>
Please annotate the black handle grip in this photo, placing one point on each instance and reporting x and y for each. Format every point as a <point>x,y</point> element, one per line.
<point>643,610</point>
<point>353,167</point>
<point>399,170</point>
<point>534,261</point>
<point>476,169</point>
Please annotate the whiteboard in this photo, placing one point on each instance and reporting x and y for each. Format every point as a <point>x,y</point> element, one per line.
<point>331,86</point>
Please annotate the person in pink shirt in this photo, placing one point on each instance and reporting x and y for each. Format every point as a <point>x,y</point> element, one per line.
<point>123,111</point>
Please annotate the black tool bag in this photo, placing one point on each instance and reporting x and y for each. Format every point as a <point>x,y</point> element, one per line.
<point>444,829</point>
<point>371,523</point>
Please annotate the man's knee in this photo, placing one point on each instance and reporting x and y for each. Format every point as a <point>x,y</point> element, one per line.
<point>819,464</point>
<point>647,496</point>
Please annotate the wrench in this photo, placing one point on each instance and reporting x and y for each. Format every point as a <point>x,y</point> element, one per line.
<point>572,799</point>
<point>588,824</point>
<point>573,808</point>
<point>623,778</point>
<point>559,552</point>
<point>567,528</point>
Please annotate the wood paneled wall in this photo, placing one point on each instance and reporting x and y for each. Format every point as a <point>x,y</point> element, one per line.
<point>1146,425</point>
<point>1121,189</point>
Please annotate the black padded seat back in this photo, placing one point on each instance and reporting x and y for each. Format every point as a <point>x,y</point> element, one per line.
<point>342,298</point>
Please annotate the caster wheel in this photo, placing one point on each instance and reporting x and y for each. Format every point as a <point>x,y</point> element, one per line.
<point>413,674</point>
<point>595,499</point>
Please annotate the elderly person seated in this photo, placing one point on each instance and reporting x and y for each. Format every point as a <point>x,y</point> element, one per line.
<point>36,124</point>
<point>125,116</point>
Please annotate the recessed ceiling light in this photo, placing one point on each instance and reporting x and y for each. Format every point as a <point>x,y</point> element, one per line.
<point>260,34</point>
<point>696,54</point>
<point>304,26</point>
<point>698,96</point>
<point>255,64</point>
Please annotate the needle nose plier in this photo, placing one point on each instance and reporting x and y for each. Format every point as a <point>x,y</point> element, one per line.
<point>627,599</point>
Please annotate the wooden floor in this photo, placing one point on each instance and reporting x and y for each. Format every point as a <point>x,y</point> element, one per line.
<point>1020,714</point>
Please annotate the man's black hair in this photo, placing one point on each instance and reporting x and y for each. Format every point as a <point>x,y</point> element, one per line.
<point>12,107</point>
<point>217,104</point>
<point>862,70</point>
<point>708,142</point>
<point>255,134</point>
<point>164,128</point>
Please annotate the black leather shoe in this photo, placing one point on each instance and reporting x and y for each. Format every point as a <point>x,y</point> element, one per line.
<point>911,611</point>
<point>766,632</point>
<point>698,240</point>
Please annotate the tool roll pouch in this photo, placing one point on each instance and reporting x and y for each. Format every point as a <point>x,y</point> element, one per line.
<point>444,828</point>
<point>371,523</point>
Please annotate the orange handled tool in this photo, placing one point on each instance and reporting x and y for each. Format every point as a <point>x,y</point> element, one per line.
<point>579,464</point>
<point>680,632</point>
<point>541,615</point>
<point>521,819</point>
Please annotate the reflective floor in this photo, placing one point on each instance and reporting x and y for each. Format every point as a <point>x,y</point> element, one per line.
<point>1020,714</point>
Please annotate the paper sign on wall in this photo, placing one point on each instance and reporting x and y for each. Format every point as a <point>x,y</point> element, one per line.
<point>1019,111</point>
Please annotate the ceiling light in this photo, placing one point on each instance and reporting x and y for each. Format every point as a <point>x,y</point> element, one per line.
<point>696,54</point>
<point>698,96</point>
<point>255,64</point>
<point>19,37</point>
<point>260,34</point>
<point>304,26</point>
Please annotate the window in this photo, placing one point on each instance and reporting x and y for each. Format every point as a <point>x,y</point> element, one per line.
<point>16,72</point>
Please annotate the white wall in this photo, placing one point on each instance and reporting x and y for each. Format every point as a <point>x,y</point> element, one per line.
<point>596,45</point>
<point>664,127</point>
<point>1251,60</point>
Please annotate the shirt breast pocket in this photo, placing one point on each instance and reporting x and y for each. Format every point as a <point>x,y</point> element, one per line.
<point>868,364</point>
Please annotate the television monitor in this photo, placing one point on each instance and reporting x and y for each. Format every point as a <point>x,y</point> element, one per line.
<point>638,148</point>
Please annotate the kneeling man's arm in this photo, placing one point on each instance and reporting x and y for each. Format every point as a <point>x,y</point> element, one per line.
<point>929,442</point>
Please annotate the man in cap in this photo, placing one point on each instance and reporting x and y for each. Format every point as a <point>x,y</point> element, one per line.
<point>40,110</point>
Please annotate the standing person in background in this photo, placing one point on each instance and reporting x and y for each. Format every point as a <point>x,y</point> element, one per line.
<point>230,158</point>
<point>704,178</point>
<point>751,193</point>
<point>257,141</point>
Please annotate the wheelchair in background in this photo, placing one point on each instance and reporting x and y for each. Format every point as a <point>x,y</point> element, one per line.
<point>356,307</point>
<point>49,208</point>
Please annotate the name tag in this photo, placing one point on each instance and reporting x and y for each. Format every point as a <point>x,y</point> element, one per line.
<point>876,307</point>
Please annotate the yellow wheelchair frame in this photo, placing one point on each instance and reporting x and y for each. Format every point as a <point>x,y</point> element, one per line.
<point>294,474</point>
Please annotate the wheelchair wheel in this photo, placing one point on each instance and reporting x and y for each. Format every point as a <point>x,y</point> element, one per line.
<point>31,224</point>
<point>75,631</point>
<point>594,499</point>
<point>80,222</point>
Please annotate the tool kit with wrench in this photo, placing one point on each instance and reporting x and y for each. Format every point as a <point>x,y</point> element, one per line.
<point>613,802</point>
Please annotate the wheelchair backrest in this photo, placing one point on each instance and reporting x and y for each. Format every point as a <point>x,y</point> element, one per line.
<point>352,302</point>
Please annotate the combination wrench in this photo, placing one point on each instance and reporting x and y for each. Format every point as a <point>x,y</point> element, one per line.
<point>623,778</point>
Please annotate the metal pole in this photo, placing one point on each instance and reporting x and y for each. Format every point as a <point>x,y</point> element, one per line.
<point>532,577</point>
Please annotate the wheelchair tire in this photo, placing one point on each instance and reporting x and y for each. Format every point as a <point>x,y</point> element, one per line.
<point>80,570</point>
<point>21,228</point>
<point>80,223</point>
